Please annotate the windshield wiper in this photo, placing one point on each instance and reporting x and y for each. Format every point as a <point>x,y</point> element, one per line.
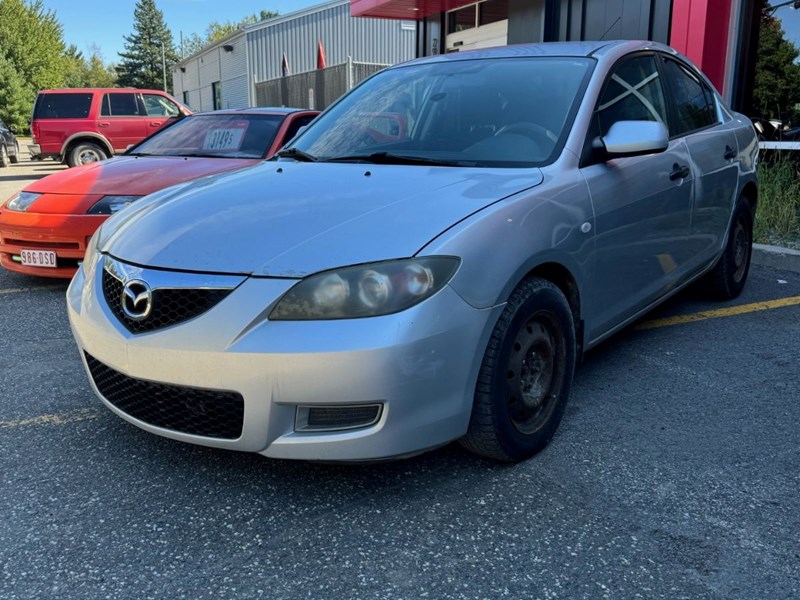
<point>296,154</point>
<point>387,158</point>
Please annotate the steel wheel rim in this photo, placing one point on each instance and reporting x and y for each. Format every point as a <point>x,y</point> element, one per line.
<point>3,154</point>
<point>535,373</point>
<point>741,250</point>
<point>88,156</point>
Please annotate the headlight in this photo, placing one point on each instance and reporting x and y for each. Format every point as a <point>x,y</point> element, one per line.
<point>108,205</point>
<point>21,201</point>
<point>91,255</point>
<point>365,290</point>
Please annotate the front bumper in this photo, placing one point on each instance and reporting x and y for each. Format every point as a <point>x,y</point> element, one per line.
<point>67,235</point>
<point>420,364</point>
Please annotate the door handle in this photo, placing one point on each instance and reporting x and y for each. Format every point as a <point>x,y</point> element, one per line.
<point>730,153</point>
<point>103,124</point>
<point>679,172</point>
<point>156,123</point>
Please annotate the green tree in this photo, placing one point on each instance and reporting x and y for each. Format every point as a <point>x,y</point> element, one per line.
<point>89,72</point>
<point>217,30</point>
<point>141,63</point>
<point>777,84</point>
<point>32,56</point>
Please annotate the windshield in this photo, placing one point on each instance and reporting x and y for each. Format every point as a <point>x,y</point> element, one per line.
<point>512,112</point>
<point>218,136</point>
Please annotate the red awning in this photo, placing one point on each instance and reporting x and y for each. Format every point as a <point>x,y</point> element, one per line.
<point>403,9</point>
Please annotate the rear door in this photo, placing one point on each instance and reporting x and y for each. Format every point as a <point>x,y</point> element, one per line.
<point>642,203</point>
<point>122,121</point>
<point>713,150</point>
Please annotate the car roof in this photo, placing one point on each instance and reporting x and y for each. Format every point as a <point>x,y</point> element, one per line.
<point>116,89</point>
<point>576,49</point>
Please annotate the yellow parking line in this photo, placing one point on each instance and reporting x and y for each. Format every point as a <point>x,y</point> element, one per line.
<point>83,414</point>
<point>718,313</point>
<point>29,289</point>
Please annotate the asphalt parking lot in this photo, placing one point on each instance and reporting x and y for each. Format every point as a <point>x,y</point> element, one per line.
<point>674,475</point>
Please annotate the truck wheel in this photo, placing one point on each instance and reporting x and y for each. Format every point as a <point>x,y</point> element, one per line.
<point>85,153</point>
<point>3,156</point>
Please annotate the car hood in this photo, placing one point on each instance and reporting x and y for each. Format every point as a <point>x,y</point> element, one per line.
<point>133,175</point>
<point>290,219</point>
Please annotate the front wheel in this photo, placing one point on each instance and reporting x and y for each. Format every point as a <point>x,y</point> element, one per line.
<point>85,153</point>
<point>526,375</point>
<point>3,156</point>
<point>726,281</point>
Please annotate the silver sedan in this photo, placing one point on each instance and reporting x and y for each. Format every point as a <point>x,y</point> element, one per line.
<point>427,261</point>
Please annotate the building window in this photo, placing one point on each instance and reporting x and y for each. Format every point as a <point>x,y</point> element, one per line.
<point>492,11</point>
<point>216,90</point>
<point>186,97</point>
<point>463,18</point>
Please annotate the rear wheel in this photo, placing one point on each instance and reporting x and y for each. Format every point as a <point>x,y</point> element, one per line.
<point>15,158</point>
<point>526,374</point>
<point>84,153</point>
<point>3,156</point>
<point>726,281</point>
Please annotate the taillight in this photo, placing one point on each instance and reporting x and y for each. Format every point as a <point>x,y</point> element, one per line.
<point>35,131</point>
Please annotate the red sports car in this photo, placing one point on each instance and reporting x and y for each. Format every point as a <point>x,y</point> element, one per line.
<point>44,228</point>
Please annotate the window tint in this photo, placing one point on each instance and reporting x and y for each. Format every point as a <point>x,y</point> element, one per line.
<point>295,127</point>
<point>159,106</point>
<point>633,93</point>
<point>120,105</point>
<point>694,106</point>
<point>62,106</point>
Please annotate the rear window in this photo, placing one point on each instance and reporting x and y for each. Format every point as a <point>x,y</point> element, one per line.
<point>62,106</point>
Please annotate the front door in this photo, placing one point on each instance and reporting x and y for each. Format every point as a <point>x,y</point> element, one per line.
<point>642,204</point>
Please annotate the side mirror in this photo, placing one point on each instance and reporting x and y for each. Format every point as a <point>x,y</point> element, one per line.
<point>12,129</point>
<point>633,138</point>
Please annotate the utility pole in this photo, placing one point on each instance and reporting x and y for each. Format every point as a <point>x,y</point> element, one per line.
<point>164,64</point>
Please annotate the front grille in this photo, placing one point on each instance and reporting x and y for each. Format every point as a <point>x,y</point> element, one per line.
<point>170,306</point>
<point>214,414</point>
<point>48,245</point>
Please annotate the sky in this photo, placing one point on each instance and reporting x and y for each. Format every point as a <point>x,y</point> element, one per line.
<point>102,23</point>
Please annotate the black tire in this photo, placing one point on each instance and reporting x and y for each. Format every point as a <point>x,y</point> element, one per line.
<point>15,158</point>
<point>3,156</point>
<point>726,281</point>
<point>526,375</point>
<point>84,153</point>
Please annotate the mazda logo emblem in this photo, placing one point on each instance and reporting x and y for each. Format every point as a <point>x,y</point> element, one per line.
<point>137,299</point>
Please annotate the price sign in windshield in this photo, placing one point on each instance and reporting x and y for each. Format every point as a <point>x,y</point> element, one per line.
<point>229,138</point>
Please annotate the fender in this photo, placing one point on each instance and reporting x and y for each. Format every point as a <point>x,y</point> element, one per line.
<point>90,135</point>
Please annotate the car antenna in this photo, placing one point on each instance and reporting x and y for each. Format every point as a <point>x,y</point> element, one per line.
<point>602,37</point>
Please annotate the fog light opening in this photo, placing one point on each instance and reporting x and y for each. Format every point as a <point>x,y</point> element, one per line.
<point>329,418</point>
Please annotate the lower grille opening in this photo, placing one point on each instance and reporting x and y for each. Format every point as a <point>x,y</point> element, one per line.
<point>337,418</point>
<point>209,413</point>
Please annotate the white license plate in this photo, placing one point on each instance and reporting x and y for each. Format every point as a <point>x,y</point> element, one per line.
<point>38,258</point>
